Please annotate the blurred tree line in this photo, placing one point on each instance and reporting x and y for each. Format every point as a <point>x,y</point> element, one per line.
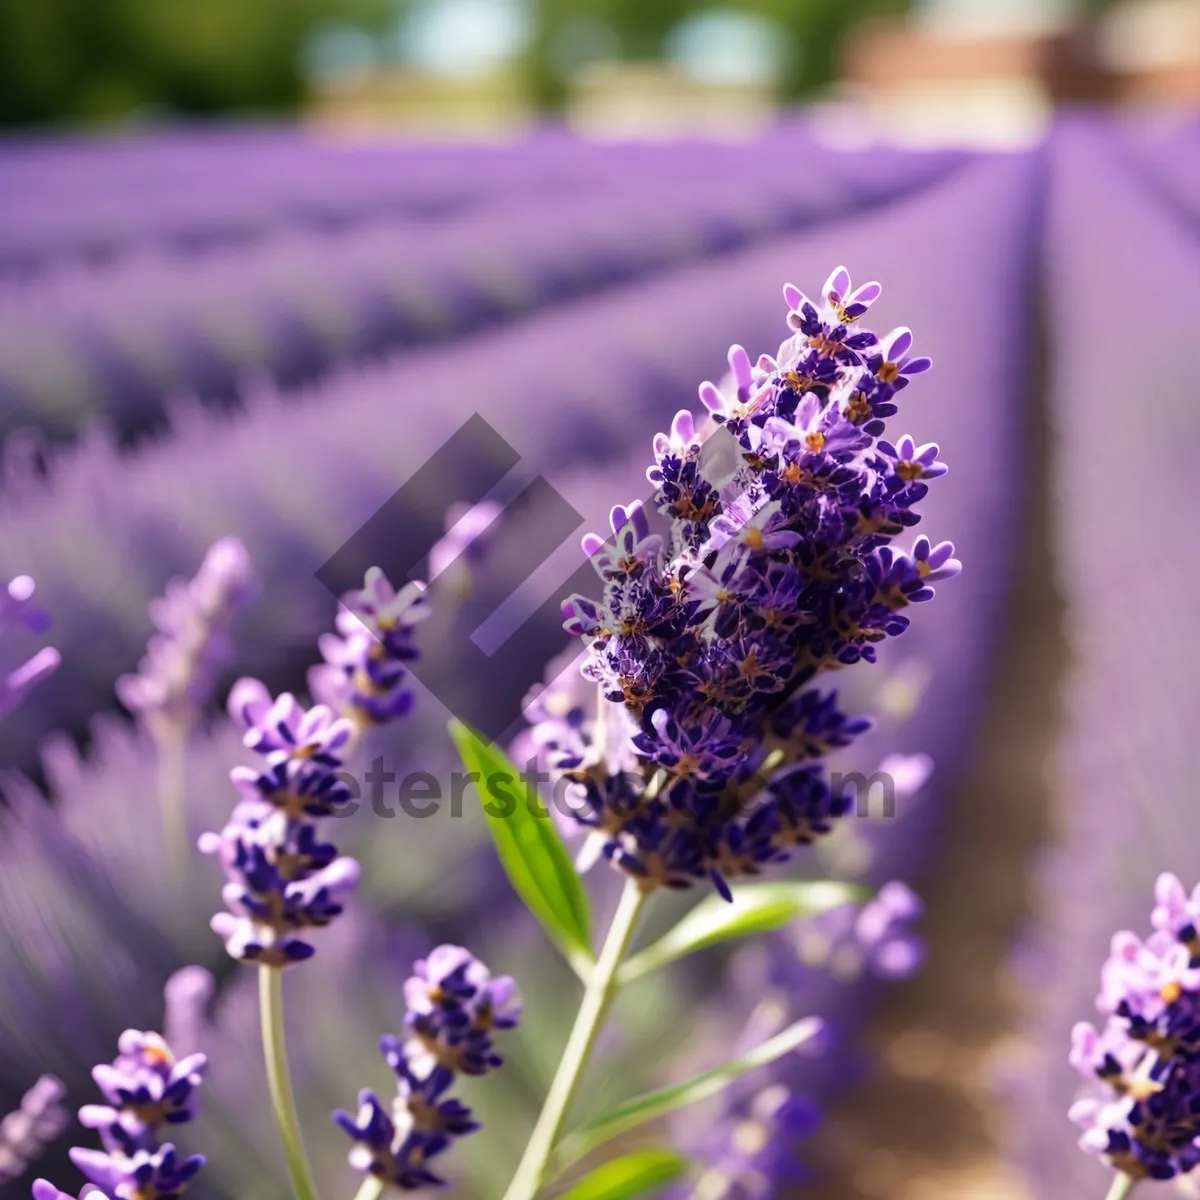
<point>68,61</point>
<point>95,60</point>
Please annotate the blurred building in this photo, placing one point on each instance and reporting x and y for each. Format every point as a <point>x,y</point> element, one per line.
<point>494,104</point>
<point>659,100</point>
<point>976,73</point>
<point>1152,50</point>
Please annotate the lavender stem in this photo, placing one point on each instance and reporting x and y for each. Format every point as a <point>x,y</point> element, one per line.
<point>597,997</point>
<point>1122,1185</point>
<point>171,738</point>
<point>371,1189</point>
<point>279,1081</point>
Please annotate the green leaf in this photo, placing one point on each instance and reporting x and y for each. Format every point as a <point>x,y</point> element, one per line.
<point>653,1105</point>
<point>756,908</point>
<point>530,850</point>
<point>630,1176</point>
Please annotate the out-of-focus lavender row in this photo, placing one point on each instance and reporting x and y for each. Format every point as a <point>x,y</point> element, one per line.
<point>1165,153</point>
<point>1124,472</point>
<point>82,344</point>
<point>190,191</point>
<point>294,482</point>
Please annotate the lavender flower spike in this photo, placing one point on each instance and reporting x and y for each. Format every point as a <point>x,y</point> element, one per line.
<point>282,880</point>
<point>454,1007</point>
<point>145,1087</point>
<point>27,1131</point>
<point>1142,1113</point>
<point>178,674</point>
<point>777,566</point>
<point>365,675</point>
<point>17,607</point>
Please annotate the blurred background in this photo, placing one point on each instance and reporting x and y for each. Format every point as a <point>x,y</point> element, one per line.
<point>935,68</point>
<point>259,259</point>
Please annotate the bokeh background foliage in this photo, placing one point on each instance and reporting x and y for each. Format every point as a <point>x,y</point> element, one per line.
<point>99,60</point>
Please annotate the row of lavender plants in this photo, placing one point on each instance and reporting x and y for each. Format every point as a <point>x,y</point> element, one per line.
<point>187,192</point>
<point>85,345</point>
<point>1126,770</point>
<point>975,358</point>
<point>1165,153</point>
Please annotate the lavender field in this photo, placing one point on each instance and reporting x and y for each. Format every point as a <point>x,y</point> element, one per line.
<point>224,353</point>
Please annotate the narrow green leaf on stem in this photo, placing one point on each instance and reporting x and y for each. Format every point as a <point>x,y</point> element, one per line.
<point>531,852</point>
<point>756,908</point>
<point>657,1104</point>
<point>279,1081</point>
<point>633,1175</point>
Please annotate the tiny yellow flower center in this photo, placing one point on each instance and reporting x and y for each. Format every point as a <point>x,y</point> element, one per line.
<point>858,408</point>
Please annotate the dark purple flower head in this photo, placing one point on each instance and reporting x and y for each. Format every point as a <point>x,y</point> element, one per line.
<point>365,676</point>
<point>282,880</point>
<point>1142,1113</point>
<point>178,674</point>
<point>146,1088</point>
<point>772,563</point>
<point>454,1006</point>
<point>17,607</point>
<point>303,751</point>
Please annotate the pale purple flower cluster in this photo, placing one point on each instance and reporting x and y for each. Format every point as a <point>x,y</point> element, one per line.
<point>877,937</point>
<point>776,565</point>
<point>453,1008</point>
<point>465,544</point>
<point>145,1088</point>
<point>1144,1114</point>
<point>283,881</point>
<point>17,607</point>
<point>25,1132</point>
<point>178,675</point>
<point>365,675</point>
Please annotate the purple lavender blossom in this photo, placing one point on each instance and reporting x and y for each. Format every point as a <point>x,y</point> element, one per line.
<point>465,543</point>
<point>365,675</point>
<point>146,1088</point>
<point>877,937</point>
<point>282,880</point>
<point>454,1006</point>
<point>1142,1114</point>
<point>25,1132</point>
<point>750,1152</point>
<point>777,566</point>
<point>17,607</point>
<point>178,674</point>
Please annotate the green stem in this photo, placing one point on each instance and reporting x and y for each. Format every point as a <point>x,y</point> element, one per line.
<point>597,997</point>
<point>279,1081</point>
<point>371,1189</point>
<point>171,739</point>
<point>1122,1185</point>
